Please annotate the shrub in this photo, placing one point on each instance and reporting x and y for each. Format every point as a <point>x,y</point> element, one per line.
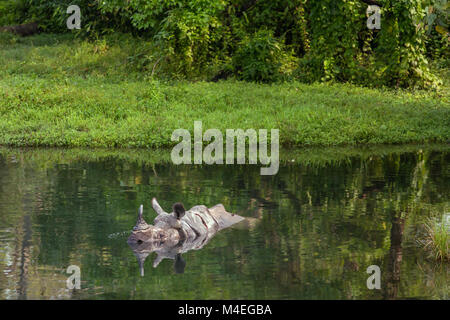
<point>262,58</point>
<point>437,239</point>
<point>329,39</point>
<point>435,23</point>
<point>188,33</point>
<point>51,16</point>
<point>12,12</point>
<point>338,34</point>
<point>400,52</point>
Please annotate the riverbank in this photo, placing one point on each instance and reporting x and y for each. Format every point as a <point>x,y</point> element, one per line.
<point>56,91</point>
<point>308,156</point>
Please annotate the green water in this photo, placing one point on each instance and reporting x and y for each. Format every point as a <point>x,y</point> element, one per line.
<point>314,228</point>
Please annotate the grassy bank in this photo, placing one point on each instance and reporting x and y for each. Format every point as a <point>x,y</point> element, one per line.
<point>58,91</point>
<point>312,156</point>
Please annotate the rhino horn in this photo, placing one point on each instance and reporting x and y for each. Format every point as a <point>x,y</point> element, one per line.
<point>141,224</point>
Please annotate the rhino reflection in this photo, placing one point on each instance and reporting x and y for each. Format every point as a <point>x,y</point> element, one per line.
<point>178,232</point>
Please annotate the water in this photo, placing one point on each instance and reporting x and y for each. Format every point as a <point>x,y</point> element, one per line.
<point>313,229</point>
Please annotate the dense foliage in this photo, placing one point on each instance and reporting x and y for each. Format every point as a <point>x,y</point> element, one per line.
<point>266,40</point>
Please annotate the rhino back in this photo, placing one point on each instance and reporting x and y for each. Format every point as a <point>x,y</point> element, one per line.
<point>224,218</point>
<point>199,220</point>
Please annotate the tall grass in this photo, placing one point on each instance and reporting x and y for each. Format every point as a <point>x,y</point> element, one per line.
<point>437,238</point>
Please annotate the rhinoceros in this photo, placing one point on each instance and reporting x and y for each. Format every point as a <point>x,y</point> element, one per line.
<point>177,232</point>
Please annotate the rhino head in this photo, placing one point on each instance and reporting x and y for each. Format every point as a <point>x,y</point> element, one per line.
<point>177,232</point>
<point>167,226</point>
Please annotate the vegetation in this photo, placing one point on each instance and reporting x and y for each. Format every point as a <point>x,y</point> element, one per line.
<point>60,91</point>
<point>305,40</point>
<point>437,239</point>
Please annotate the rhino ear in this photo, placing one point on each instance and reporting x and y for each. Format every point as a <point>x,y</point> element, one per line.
<point>178,210</point>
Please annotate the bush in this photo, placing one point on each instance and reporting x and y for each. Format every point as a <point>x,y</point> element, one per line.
<point>262,58</point>
<point>435,23</point>
<point>336,29</point>
<point>400,53</point>
<point>188,33</point>
<point>12,12</point>
<point>437,239</point>
<point>51,16</point>
<point>261,40</point>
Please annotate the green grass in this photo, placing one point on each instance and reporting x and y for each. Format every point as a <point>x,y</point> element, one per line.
<point>437,239</point>
<point>61,91</point>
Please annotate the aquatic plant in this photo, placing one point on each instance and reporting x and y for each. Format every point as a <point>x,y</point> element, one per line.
<point>437,238</point>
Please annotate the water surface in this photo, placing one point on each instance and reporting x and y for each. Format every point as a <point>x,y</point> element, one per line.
<point>313,229</point>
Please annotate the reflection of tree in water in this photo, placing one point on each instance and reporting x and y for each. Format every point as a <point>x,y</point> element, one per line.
<point>395,255</point>
<point>394,259</point>
<point>12,188</point>
<point>25,256</point>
